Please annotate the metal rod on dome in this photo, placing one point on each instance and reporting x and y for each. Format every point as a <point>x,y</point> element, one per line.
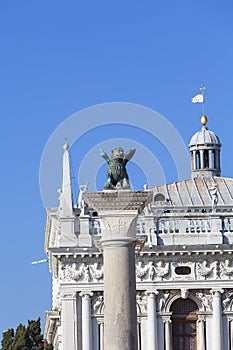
<point>202,88</point>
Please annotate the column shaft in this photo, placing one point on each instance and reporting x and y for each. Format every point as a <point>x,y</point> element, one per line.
<point>101,335</point>
<point>202,159</point>
<point>120,317</point>
<point>217,321</point>
<point>201,334</point>
<point>86,321</point>
<point>152,337</point>
<point>118,212</point>
<point>168,340</point>
<point>210,160</point>
<point>230,334</point>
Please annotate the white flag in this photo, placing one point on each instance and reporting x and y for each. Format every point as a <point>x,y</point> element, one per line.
<point>198,98</point>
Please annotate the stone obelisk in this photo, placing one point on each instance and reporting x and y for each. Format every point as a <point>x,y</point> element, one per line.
<point>118,212</point>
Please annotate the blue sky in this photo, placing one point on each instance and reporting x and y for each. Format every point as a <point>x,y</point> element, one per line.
<point>58,57</point>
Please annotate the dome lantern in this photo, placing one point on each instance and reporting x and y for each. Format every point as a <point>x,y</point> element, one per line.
<point>204,149</point>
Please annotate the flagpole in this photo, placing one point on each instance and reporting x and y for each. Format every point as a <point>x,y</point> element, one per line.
<point>202,88</point>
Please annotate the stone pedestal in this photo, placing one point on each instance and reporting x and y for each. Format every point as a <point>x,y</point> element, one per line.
<point>118,212</point>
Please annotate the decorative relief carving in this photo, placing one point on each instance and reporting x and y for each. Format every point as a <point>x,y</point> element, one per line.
<point>227,301</point>
<point>57,303</point>
<point>148,268</point>
<point>116,224</point>
<point>226,269</point>
<point>205,269</point>
<point>141,301</point>
<point>206,301</point>
<point>152,270</point>
<point>96,272</point>
<point>141,270</point>
<point>81,272</point>
<point>97,304</point>
<point>161,301</point>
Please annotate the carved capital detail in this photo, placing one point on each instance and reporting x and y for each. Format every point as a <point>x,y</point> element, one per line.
<point>69,295</point>
<point>86,295</point>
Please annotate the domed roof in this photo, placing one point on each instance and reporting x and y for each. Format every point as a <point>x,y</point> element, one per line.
<point>204,136</point>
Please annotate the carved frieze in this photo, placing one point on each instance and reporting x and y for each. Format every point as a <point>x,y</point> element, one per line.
<point>206,269</point>
<point>151,270</point>
<point>81,271</point>
<point>226,269</point>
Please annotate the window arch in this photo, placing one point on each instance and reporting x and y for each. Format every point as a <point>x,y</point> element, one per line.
<point>184,320</point>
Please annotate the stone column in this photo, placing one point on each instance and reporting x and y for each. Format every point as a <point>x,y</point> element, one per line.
<point>201,332</point>
<point>152,333</point>
<point>168,335</point>
<point>69,321</point>
<point>217,319</point>
<point>231,333</point>
<point>210,159</point>
<point>101,335</point>
<point>201,159</point>
<point>118,212</point>
<point>86,320</point>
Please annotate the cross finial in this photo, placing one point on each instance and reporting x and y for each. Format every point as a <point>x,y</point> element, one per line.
<point>202,88</point>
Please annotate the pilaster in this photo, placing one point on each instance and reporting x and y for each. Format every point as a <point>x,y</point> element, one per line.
<point>69,321</point>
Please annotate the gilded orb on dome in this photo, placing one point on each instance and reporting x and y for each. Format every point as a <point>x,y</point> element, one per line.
<point>204,120</point>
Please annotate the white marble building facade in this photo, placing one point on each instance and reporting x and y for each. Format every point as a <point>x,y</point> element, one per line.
<point>184,265</point>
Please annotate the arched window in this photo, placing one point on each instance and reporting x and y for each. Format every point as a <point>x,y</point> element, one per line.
<point>184,319</point>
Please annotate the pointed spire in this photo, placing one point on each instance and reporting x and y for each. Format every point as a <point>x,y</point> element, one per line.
<point>66,205</point>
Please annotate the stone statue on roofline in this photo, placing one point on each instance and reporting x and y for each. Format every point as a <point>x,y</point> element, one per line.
<point>117,176</point>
